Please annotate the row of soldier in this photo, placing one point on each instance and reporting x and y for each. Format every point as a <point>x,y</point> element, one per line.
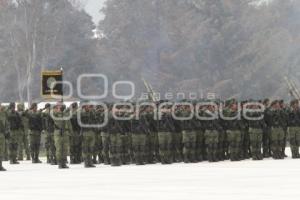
<point>146,139</point>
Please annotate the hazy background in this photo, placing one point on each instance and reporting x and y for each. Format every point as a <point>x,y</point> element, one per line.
<point>234,48</point>
<point>93,7</point>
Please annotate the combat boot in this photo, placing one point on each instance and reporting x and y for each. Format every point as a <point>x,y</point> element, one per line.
<point>1,167</point>
<point>63,166</point>
<point>13,162</point>
<point>48,159</point>
<point>88,164</point>
<point>27,157</point>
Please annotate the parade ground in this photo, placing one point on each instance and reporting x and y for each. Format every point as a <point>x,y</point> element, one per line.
<point>269,179</point>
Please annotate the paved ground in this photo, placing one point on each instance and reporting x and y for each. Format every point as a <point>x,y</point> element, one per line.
<point>267,180</point>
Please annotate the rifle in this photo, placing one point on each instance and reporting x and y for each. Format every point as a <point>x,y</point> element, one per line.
<point>150,91</point>
<point>292,88</point>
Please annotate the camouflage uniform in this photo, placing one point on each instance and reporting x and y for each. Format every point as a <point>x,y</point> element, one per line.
<point>15,125</point>
<point>189,137</point>
<point>278,124</point>
<point>23,139</point>
<point>177,146</point>
<point>126,133</point>
<point>75,139</point>
<point>267,132</point>
<point>35,129</point>
<point>97,151</point>
<point>139,134</point>
<point>234,129</point>
<point>152,149</point>
<point>3,133</point>
<point>105,138</point>
<point>115,141</point>
<point>48,127</point>
<point>212,133</point>
<point>88,134</point>
<point>165,127</point>
<point>62,131</point>
<point>256,128</point>
<point>294,131</point>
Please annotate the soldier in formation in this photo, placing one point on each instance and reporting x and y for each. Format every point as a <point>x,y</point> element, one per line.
<point>141,135</point>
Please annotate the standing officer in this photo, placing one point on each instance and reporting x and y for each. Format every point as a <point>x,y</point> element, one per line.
<point>75,137</point>
<point>278,125</point>
<point>88,134</point>
<point>3,132</point>
<point>165,127</point>
<point>62,128</point>
<point>48,127</point>
<point>35,129</point>
<point>23,139</point>
<point>294,128</point>
<point>14,126</point>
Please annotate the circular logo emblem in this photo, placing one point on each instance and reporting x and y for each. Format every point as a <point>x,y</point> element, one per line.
<point>50,82</point>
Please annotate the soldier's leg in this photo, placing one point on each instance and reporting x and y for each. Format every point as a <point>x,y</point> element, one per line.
<point>186,146</point>
<point>292,140</point>
<point>26,144</point>
<point>141,149</point>
<point>199,145</point>
<point>20,145</point>
<point>297,142</point>
<point>72,149</point>
<point>241,145</point>
<point>52,150</point>
<point>282,143</point>
<point>113,150</point>
<point>267,142</point>
<point>118,150</point>
<point>169,148</point>
<point>95,150</point>
<point>2,150</point>
<point>105,147</point>
<point>216,146</point>
<point>58,147</point>
<point>232,152</point>
<point>47,146</point>
<point>92,141</point>
<point>135,147</point>
<point>276,143</point>
<point>147,157</point>
<point>221,146</point>
<point>150,148</point>
<point>163,147</point>
<point>85,149</point>
<point>259,145</point>
<point>37,144</point>
<point>6,156</point>
<point>253,144</point>
<point>13,147</point>
<point>125,149</point>
<point>100,156</point>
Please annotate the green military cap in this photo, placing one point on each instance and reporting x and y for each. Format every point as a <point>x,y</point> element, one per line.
<point>274,102</point>
<point>33,105</point>
<point>21,106</point>
<point>12,104</point>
